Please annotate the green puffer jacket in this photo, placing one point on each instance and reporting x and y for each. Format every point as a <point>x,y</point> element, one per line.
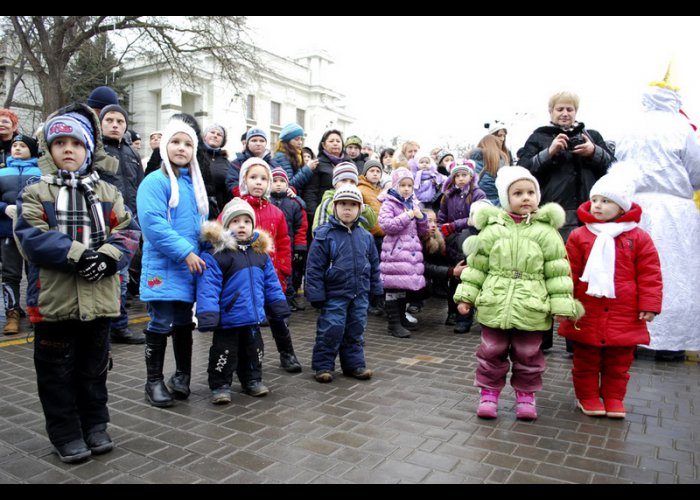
<point>518,275</point>
<point>55,292</point>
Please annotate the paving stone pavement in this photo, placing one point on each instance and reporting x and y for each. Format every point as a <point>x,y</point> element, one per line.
<point>413,422</point>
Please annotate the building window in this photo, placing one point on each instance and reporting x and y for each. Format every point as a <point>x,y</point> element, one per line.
<point>301,117</point>
<point>274,137</point>
<point>250,107</point>
<point>275,112</point>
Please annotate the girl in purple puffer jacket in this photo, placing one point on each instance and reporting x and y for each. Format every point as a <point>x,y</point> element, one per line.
<point>461,190</point>
<point>401,261</point>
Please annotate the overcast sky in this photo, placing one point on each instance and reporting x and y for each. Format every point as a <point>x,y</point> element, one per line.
<point>436,79</point>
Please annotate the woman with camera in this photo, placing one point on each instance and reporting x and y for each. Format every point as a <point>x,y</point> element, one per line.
<point>567,159</point>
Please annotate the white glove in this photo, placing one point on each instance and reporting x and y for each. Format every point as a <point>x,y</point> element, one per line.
<point>11,211</point>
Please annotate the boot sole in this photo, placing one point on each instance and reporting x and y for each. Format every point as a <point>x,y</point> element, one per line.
<point>105,448</point>
<point>72,459</point>
<point>166,404</point>
<point>292,369</point>
<point>590,413</point>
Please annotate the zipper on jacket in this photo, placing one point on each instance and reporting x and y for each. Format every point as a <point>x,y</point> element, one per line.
<point>252,288</point>
<point>511,288</point>
<point>354,259</point>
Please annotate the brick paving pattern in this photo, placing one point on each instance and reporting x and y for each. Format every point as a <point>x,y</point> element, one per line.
<point>414,422</point>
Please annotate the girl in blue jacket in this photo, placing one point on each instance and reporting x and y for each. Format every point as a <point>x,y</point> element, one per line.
<point>172,204</point>
<point>233,293</point>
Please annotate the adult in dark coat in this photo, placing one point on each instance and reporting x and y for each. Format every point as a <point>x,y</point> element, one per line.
<point>214,141</point>
<point>330,153</point>
<point>566,158</point>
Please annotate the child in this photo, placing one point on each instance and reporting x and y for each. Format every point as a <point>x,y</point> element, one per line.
<point>256,182</point>
<point>21,167</point>
<point>617,277</point>
<point>294,210</point>
<point>518,277</point>
<point>341,273</point>
<point>172,204</point>
<point>343,173</point>
<point>401,264</point>
<point>427,181</point>
<point>369,184</point>
<point>460,190</point>
<point>73,229</point>
<point>233,293</point>
<point>439,269</point>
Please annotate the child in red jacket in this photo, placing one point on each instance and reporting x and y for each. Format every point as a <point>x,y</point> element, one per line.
<point>617,277</point>
<point>255,186</point>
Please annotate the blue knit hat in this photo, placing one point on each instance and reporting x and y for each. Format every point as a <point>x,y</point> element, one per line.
<point>255,132</point>
<point>71,125</point>
<point>290,131</point>
<point>101,97</point>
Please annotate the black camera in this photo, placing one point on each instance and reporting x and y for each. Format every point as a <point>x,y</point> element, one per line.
<point>576,140</point>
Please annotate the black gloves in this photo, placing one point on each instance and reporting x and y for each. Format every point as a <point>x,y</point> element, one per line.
<point>299,256</point>
<point>93,266</point>
<point>318,304</point>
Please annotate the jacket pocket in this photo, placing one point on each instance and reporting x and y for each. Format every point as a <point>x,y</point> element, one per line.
<point>232,302</point>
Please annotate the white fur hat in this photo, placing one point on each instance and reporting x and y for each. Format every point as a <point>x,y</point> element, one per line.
<point>173,127</point>
<point>507,176</point>
<point>251,162</point>
<point>615,188</point>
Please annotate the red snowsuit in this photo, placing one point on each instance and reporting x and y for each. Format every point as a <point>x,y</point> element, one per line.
<point>606,336</point>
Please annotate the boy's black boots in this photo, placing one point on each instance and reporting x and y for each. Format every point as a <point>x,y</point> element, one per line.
<point>394,313</point>
<point>156,392</point>
<point>179,383</point>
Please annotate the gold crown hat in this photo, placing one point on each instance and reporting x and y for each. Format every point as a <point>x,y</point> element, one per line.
<point>669,80</point>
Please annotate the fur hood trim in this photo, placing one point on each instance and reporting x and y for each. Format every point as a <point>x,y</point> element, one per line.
<point>215,234</point>
<point>550,213</point>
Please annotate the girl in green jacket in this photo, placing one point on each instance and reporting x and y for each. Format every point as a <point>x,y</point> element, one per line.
<point>518,277</point>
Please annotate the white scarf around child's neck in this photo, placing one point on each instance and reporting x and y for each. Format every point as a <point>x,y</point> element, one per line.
<point>600,268</point>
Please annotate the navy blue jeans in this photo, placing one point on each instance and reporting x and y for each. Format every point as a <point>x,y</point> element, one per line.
<point>340,332</point>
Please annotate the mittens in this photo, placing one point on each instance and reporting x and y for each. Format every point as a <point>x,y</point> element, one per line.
<point>447,229</point>
<point>93,266</point>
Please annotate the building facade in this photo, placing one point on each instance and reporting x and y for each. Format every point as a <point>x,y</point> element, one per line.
<point>287,90</point>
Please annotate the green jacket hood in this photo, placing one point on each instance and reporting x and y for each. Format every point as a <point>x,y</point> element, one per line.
<point>101,162</point>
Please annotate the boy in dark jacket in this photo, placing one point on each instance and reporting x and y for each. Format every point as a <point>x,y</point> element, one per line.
<point>341,272</point>
<point>294,210</point>
<point>21,167</point>
<point>233,293</point>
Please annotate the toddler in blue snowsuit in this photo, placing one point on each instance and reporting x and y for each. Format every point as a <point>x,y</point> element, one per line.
<point>342,270</point>
<point>234,290</point>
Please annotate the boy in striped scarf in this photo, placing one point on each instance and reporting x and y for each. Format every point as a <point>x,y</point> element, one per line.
<point>75,232</point>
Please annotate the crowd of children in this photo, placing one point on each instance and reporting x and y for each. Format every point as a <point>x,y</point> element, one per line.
<point>375,244</point>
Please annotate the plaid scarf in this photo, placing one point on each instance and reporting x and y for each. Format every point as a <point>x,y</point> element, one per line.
<point>78,209</point>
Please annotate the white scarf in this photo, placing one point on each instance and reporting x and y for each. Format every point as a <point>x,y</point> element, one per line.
<point>600,268</point>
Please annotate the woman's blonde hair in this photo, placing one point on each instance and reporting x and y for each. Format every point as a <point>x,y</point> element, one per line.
<point>564,96</point>
<point>492,154</point>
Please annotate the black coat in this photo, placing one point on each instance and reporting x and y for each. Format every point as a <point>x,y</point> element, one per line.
<point>218,167</point>
<point>129,174</point>
<point>320,182</point>
<point>567,178</point>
